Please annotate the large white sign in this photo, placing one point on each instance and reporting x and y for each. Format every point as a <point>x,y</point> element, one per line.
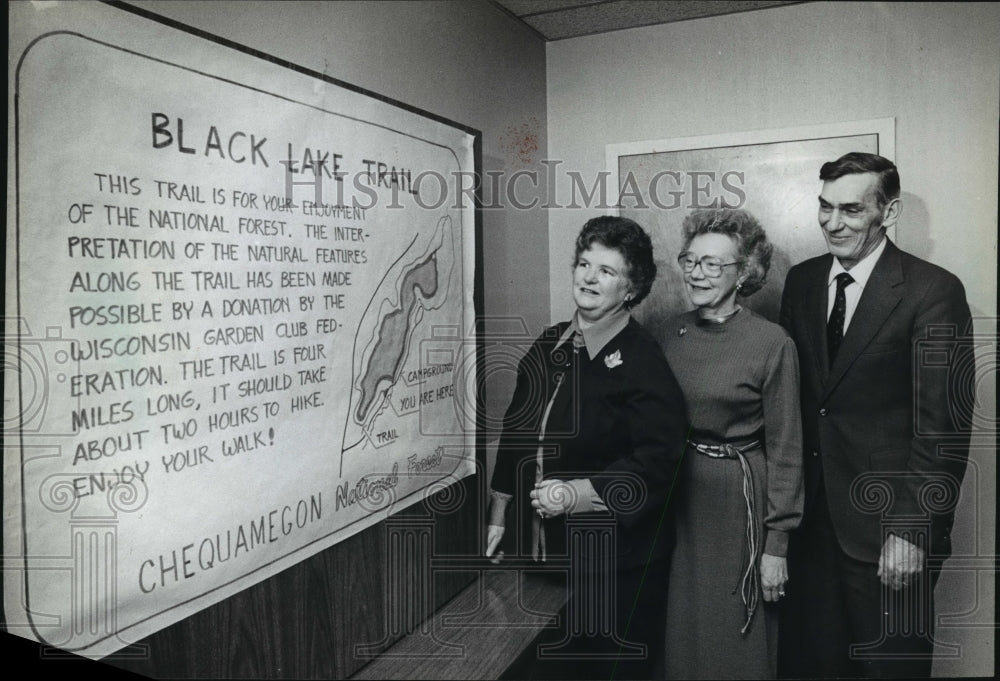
<point>238,306</point>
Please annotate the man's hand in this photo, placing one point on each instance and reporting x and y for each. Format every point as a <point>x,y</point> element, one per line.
<point>900,563</point>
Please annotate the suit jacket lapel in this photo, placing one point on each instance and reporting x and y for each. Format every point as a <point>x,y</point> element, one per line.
<point>878,300</point>
<point>815,307</point>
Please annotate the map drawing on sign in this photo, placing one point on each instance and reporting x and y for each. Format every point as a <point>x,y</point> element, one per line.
<point>411,295</point>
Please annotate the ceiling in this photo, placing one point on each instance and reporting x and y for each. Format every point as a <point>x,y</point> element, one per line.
<point>559,19</point>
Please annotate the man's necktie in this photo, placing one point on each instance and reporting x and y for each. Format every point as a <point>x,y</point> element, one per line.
<point>835,326</point>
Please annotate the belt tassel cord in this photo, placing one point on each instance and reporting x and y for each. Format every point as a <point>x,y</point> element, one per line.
<point>748,584</point>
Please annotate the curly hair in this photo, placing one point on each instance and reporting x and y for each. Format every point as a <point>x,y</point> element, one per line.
<point>629,239</point>
<point>742,227</point>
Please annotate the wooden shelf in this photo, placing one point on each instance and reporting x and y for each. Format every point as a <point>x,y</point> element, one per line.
<point>479,633</point>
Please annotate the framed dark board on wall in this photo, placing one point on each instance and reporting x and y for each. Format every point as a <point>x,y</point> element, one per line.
<point>240,317</point>
<point>771,173</point>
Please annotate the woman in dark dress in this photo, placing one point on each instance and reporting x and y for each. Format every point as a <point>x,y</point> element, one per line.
<point>595,432</point>
<point>740,490</point>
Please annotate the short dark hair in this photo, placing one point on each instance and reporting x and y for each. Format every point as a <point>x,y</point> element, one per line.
<point>629,239</point>
<point>750,239</point>
<point>856,162</point>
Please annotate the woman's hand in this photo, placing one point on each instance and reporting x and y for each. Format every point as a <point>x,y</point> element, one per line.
<point>494,533</point>
<point>773,575</point>
<point>552,498</point>
<point>496,524</point>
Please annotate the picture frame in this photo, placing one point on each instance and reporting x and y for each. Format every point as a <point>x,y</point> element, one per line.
<point>240,316</point>
<point>771,173</point>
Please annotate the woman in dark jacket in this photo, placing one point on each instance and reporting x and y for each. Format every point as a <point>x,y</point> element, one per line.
<point>591,443</point>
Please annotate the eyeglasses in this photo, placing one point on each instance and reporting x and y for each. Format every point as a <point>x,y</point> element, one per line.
<point>710,265</point>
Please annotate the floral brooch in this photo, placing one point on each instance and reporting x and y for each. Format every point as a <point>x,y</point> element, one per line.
<point>613,360</point>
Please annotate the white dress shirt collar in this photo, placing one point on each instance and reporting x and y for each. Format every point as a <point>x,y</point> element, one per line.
<point>598,334</point>
<point>863,270</point>
<point>860,273</point>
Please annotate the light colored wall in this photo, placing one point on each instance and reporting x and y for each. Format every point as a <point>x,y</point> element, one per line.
<point>935,68</point>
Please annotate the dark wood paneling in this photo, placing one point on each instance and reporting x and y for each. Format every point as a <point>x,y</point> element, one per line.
<point>307,621</point>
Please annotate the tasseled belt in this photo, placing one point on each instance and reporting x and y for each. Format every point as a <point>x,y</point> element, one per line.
<point>751,577</point>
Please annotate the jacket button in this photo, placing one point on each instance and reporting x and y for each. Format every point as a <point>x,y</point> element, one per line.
<point>822,412</point>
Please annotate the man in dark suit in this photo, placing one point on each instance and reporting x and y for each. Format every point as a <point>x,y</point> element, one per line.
<point>878,333</point>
